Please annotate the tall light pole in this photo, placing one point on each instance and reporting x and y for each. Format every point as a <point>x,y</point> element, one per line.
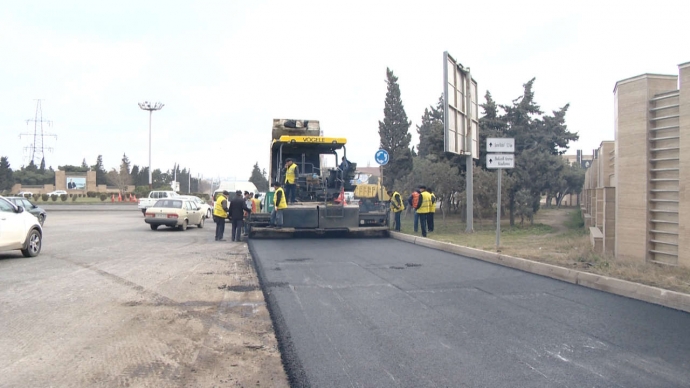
<point>150,107</point>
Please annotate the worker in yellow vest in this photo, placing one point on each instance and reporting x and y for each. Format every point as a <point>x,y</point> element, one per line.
<point>397,206</point>
<point>220,214</point>
<point>430,217</point>
<point>290,178</point>
<point>424,207</point>
<point>279,204</point>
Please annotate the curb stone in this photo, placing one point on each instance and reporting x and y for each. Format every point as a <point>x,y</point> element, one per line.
<point>672,299</point>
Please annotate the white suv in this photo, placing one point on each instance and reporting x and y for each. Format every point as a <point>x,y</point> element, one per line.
<point>19,230</point>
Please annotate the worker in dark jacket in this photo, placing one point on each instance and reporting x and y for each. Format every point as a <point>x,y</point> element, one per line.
<point>220,214</point>
<point>236,209</point>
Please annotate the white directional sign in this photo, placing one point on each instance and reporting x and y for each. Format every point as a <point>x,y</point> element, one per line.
<point>499,144</point>
<point>500,161</point>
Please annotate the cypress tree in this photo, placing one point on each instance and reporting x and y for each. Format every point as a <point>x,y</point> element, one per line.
<point>394,134</point>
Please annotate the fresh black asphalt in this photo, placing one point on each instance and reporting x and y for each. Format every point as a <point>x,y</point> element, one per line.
<point>385,313</point>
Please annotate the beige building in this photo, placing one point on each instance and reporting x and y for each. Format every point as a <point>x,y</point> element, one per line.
<point>637,206</point>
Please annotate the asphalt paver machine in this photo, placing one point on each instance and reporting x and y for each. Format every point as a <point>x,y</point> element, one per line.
<point>320,208</point>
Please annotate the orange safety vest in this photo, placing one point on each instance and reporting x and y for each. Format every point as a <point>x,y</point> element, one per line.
<point>415,199</point>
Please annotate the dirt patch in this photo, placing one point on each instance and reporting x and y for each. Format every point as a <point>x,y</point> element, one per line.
<point>239,288</point>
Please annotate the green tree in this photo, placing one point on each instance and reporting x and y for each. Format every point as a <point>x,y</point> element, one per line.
<point>42,168</point>
<point>394,133</point>
<point>568,179</point>
<point>135,175</point>
<point>491,124</point>
<point>431,137</point>
<point>538,137</point>
<point>100,171</point>
<point>442,177</point>
<point>125,165</point>
<point>84,165</point>
<point>31,167</point>
<point>6,174</point>
<point>258,178</point>
<point>71,168</point>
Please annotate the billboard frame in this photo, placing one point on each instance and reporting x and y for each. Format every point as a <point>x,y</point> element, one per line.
<point>460,135</point>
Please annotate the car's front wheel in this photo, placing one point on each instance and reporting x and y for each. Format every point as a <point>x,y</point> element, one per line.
<point>208,213</point>
<point>33,244</point>
<point>201,223</point>
<point>183,227</point>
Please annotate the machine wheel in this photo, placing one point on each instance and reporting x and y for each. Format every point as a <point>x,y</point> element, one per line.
<point>201,223</point>
<point>208,213</point>
<point>33,244</point>
<point>183,227</point>
<point>153,227</point>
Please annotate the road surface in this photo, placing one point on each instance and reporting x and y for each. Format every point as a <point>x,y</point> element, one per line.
<point>111,303</point>
<point>385,313</point>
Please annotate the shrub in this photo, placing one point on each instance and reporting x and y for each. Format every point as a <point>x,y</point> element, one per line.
<point>103,197</point>
<point>74,198</point>
<point>91,194</point>
<point>36,196</point>
<point>44,197</point>
<point>63,197</point>
<point>54,197</point>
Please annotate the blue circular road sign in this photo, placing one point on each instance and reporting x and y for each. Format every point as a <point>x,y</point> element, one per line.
<point>381,157</point>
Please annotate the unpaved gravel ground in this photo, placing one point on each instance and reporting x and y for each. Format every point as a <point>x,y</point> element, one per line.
<point>110,303</point>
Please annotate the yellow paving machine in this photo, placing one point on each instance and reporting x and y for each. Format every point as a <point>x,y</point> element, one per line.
<point>320,208</point>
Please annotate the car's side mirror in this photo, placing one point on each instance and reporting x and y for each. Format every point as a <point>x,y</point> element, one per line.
<point>20,209</point>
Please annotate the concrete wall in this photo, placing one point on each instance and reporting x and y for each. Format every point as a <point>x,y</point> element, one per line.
<point>631,118</point>
<point>604,170</point>
<point>684,166</point>
<point>609,221</point>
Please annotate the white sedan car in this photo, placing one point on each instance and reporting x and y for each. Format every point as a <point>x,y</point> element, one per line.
<point>57,192</point>
<point>19,230</point>
<point>207,210</point>
<point>174,212</point>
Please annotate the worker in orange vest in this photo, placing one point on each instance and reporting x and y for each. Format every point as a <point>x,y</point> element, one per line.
<point>413,201</point>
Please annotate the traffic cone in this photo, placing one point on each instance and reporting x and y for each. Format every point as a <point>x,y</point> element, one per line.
<point>341,196</point>
<point>112,199</point>
<point>119,197</point>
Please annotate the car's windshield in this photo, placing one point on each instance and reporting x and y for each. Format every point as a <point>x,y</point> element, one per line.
<point>169,203</point>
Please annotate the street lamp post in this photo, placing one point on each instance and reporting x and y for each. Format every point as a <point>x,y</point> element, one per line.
<point>150,107</point>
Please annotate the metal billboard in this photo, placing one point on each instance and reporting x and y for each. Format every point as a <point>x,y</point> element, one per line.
<point>456,90</point>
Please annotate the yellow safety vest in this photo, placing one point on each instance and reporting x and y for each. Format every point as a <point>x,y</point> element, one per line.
<point>433,203</point>
<point>397,200</point>
<point>426,206</point>
<point>290,173</point>
<point>283,202</point>
<point>218,210</point>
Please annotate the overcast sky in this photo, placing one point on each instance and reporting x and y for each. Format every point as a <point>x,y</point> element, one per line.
<point>225,69</point>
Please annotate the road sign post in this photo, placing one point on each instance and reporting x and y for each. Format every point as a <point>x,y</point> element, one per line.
<point>381,157</point>
<point>502,157</point>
